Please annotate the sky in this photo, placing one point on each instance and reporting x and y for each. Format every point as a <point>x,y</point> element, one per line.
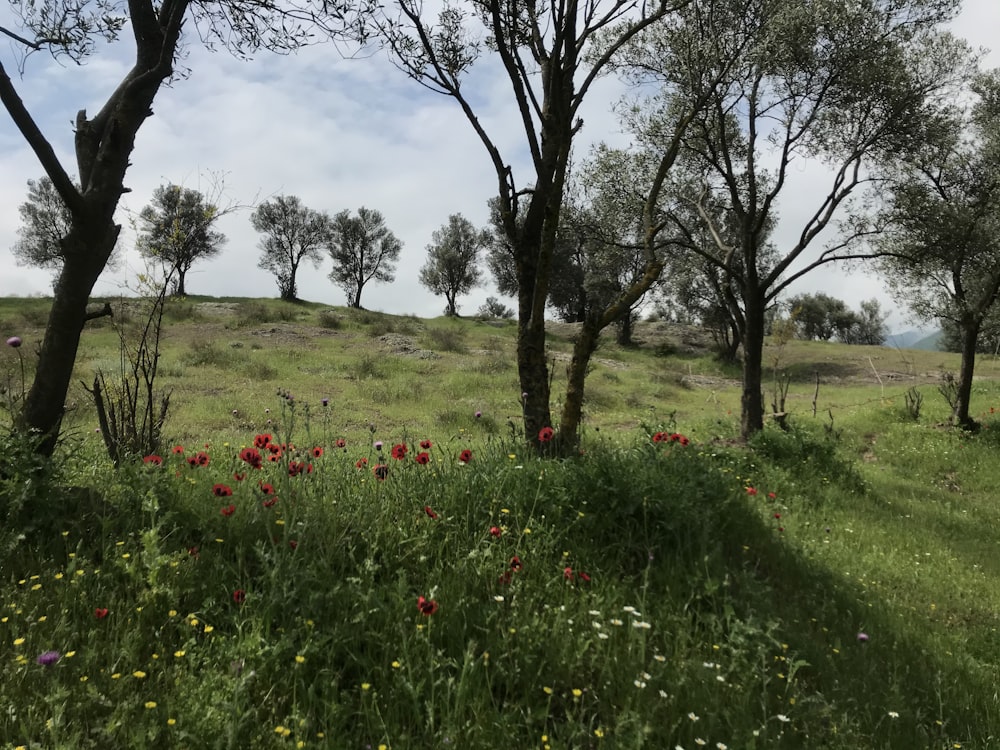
<point>339,134</point>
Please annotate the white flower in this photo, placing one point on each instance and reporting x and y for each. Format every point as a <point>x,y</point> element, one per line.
<point>639,683</point>
<point>645,675</point>
<point>616,622</point>
<point>630,609</point>
<point>596,624</point>
<point>693,716</point>
<point>663,694</point>
<point>893,715</point>
<point>498,598</point>
<point>641,624</point>
<point>595,613</point>
<point>708,664</point>
<point>782,718</point>
<point>603,636</point>
<point>660,657</point>
<point>720,678</point>
<point>722,746</point>
<point>699,741</point>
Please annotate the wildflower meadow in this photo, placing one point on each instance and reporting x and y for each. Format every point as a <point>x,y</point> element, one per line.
<point>295,578</point>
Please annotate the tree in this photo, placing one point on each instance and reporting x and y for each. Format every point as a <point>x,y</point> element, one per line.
<point>176,229</point>
<point>819,316</point>
<point>844,84</point>
<point>45,221</point>
<point>551,54</point>
<point>292,234</point>
<point>941,253</point>
<point>868,327</point>
<point>104,142</point>
<point>363,249</point>
<point>452,266</point>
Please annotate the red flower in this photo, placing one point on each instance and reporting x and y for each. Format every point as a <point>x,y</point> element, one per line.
<point>660,437</point>
<point>100,612</point>
<point>399,451</point>
<point>274,457</point>
<point>583,576</point>
<point>771,495</point>
<point>683,440</point>
<point>228,510</point>
<point>430,511</point>
<point>341,443</point>
<point>293,544</point>
<point>192,461</point>
<point>239,476</point>
<point>317,452</point>
<point>199,459</point>
<point>427,607</point>
<point>515,564</point>
<point>269,503</point>
<point>154,460</point>
<point>239,596</point>
<point>193,551</point>
<point>251,456</point>
<point>777,515</point>
<point>545,434</point>
<point>177,450</point>
<point>751,490</point>
<point>426,444</point>
<point>423,458</point>
<point>267,489</point>
<point>495,532</point>
<point>361,463</point>
<point>274,449</point>
<point>504,578</point>
<point>465,456</point>
<point>568,573</point>
<point>381,472</point>
<point>222,490</point>
<point>295,468</point>
<point>262,441</point>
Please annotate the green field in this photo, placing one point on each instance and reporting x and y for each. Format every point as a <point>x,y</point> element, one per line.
<point>833,586</point>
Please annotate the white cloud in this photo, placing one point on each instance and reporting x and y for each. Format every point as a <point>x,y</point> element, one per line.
<point>339,134</point>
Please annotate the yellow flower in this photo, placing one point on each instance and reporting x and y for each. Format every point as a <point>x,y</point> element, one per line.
<point>36,587</point>
<point>383,747</point>
<point>84,678</point>
<point>58,577</point>
<point>366,686</point>
<point>300,743</point>
<point>139,674</point>
<point>279,729</point>
<point>280,522</point>
<point>43,618</point>
<point>172,613</point>
<point>300,659</point>
<point>577,692</point>
<point>150,704</point>
<point>548,691</point>
<point>116,676</point>
<point>209,629</point>
<point>598,732</point>
<point>171,722</point>
<point>179,653</point>
<point>193,622</point>
<point>396,665</point>
<point>19,641</point>
<point>69,654</point>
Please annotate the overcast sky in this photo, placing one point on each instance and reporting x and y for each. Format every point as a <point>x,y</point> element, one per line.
<point>340,134</point>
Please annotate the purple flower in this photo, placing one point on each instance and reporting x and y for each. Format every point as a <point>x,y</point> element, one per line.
<point>862,637</point>
<point>478,414</point>
<point>48,658</point>
<point>325,402</point>
<point>14,341</point>
<point>378,445</point>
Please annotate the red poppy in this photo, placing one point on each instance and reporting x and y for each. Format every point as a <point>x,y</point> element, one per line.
<point>267,489</point>
<point>262,441</point>
<point>751,490</point>
<point>515,564</point>
<point>423,458</point>
<point>568,573</point>
<point>153,459</point>
<point>251,456</point>
<point>381,471</point>
<point>192,461</point>
<point>293,544</point>
<point>660,437</point>
<point>239,596</point>
<point>239,476</point>
<point>771,495</point>
<point>341,443</point>
<point>426,444</point>
<point>177,449</point>
<point>295,468</point>
<point>777,515</point>
<point>222,490</point>
<point>495,532</point>
<point>274,457</point>
<point>100,612</point>
<point>399,451</point>
<point>228,510</point>
<point>317,452</point>
<point>361,463</point>
<point>201,458</point>
<point>465,456</point>
<point>545,434</point>
<point>430,511</point>
<point>683,440</point>
<point>426,606</point>
<point>269,503</point>
<point>583,576</point>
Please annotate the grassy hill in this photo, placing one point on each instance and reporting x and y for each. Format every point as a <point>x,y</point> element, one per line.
<point>834,586</point>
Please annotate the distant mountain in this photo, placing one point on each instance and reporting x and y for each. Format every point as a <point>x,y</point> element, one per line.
<point>906,339</point>
<point>930,343</point>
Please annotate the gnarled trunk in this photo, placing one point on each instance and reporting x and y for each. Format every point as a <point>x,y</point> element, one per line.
<point>576,375</point>
<point>969,330</point>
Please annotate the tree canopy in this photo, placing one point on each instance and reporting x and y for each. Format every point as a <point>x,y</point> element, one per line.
<point>452,266</point>
<point>363,250</point>
<point>292,233</point>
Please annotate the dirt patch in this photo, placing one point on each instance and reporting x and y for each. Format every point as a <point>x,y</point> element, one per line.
<point>397,343</point>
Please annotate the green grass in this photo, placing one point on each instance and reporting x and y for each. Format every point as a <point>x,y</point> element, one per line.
<point>663,595</point>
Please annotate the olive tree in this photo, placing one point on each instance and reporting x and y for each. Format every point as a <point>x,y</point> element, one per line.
<point>452,266</point>
<point>103,142</point>
<point>292,233</point>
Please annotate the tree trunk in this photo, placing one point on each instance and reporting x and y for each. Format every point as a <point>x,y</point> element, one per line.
<point>533,373</point>
<point>356,302</point>
<point>452,309</point>
<point>960,413</point>
<point>45,403</point>
<point>625,328</point>
<point>576,375</point>
<point>752,400</point>
<point>179,284</point>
